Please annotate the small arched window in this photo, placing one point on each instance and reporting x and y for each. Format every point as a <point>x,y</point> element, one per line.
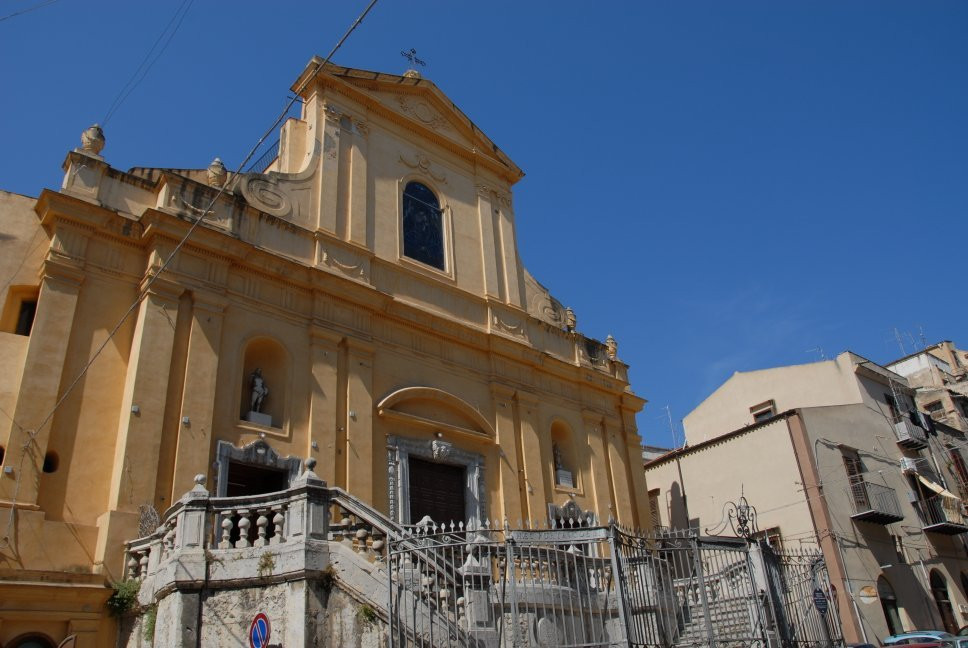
<point>423,225</point>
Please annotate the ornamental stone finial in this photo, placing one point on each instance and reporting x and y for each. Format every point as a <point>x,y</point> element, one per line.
<point>570,320</point>
<point>92,140</point>
<point>217,173</point>
<point>611,347</point>
<point>200,479</point>
<point>412,74</point>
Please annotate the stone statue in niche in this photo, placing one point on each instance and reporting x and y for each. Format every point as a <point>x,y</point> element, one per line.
<point>257,399</point>
<point>563,476</point>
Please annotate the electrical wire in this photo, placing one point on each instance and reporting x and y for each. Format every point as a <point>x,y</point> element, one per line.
<point>145,66</point>
<point>27,10</point>
<point>32,434</point>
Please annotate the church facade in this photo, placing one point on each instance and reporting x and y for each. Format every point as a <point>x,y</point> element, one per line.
<point>360,302</point>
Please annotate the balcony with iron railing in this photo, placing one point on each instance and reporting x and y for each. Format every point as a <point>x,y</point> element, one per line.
<point>875,503</point>
<point>909,435</point>
<point>942,514</point>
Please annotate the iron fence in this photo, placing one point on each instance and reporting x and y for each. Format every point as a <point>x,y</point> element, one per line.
<point>602,586</point>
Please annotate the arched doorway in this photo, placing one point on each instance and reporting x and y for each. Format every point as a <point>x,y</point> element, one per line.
<point>939,590</point>
<point>32,640</point>
<point>889,605</point>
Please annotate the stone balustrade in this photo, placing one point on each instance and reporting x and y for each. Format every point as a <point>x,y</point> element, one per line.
<point>260,538</point>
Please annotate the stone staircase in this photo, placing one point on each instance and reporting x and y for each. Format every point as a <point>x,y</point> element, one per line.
<point>732,623</point>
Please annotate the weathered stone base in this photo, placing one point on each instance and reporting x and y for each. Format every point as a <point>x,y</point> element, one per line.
<point>302,613</point>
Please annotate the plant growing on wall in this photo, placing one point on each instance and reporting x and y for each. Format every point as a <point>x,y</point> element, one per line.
<point>267,562</point>
<point>366,615</point>
<point>125,596</point>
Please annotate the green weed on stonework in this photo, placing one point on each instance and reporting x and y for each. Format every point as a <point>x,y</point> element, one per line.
<point>125,596</point>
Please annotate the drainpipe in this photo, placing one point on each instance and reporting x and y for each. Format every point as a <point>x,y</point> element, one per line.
<point>850,589</point>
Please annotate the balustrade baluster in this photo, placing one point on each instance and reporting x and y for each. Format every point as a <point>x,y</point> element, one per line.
<point>261,524</point>
<point>226,542</point>
<point>278,529</point>
<point>143,566</point>
<point>244,524</point>
<point>132,566</point>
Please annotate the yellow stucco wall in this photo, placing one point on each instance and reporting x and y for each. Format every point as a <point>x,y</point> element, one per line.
<point>303,274</point>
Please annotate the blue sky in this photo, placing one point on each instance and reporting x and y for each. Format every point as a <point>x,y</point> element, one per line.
<point>722,186</point>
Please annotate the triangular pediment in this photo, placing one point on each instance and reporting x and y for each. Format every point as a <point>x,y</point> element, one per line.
<point>419,103</point>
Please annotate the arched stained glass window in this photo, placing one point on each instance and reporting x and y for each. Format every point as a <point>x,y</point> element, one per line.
<point>423,225</point>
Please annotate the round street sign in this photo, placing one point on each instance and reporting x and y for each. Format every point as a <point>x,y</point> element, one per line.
<point>259,631</point>
<point>820,601</point>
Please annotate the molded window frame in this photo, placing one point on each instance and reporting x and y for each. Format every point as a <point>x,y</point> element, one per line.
<point>446,226</point>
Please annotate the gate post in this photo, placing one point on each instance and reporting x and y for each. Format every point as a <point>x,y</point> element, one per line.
<point>765,585</point>
<point>509,576</point>
<point>697,557</point>
<point>618,580</point>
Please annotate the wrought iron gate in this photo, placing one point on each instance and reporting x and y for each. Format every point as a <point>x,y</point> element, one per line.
<point>602,586</point>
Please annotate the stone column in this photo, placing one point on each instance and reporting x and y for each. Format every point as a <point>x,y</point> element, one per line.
<point>41,381</point>
<point>360,461</point>
<point>536,508</point>
<point>324,384</point>
<point>198,396</point>
<point>510,471</point>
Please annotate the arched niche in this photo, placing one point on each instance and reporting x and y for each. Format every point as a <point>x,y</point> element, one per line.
<point>434,409</point>
<point>272,361</point>
<point>564,456</point>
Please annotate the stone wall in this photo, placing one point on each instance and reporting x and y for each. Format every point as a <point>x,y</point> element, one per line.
<point>302,613</point>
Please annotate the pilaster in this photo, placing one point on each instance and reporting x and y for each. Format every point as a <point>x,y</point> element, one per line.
<point>357,207</point>
<point>361,464</point>
<point>198,397</point>
<point>532,462</point>
<point>510,469</point>
<point>601,478</point>
<point>618,459</point>
<point>633,450</point>
<point>143,401</point>
<point>323,401</point>
<point>329,171</point>
<point>493,259</point>
<point>42,377</point>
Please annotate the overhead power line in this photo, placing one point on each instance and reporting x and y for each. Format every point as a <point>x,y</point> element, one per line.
<point>32,434</point>
<point>147,62</point>
<point>27,10</point>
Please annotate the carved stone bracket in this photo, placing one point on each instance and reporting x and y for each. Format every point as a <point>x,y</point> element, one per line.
<point>423,163</point>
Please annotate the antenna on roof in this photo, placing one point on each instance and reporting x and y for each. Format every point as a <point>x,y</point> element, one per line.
<point>924,340</point>
<point>672,428</point>
<point>900,341</point>
<point>819,351</point>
